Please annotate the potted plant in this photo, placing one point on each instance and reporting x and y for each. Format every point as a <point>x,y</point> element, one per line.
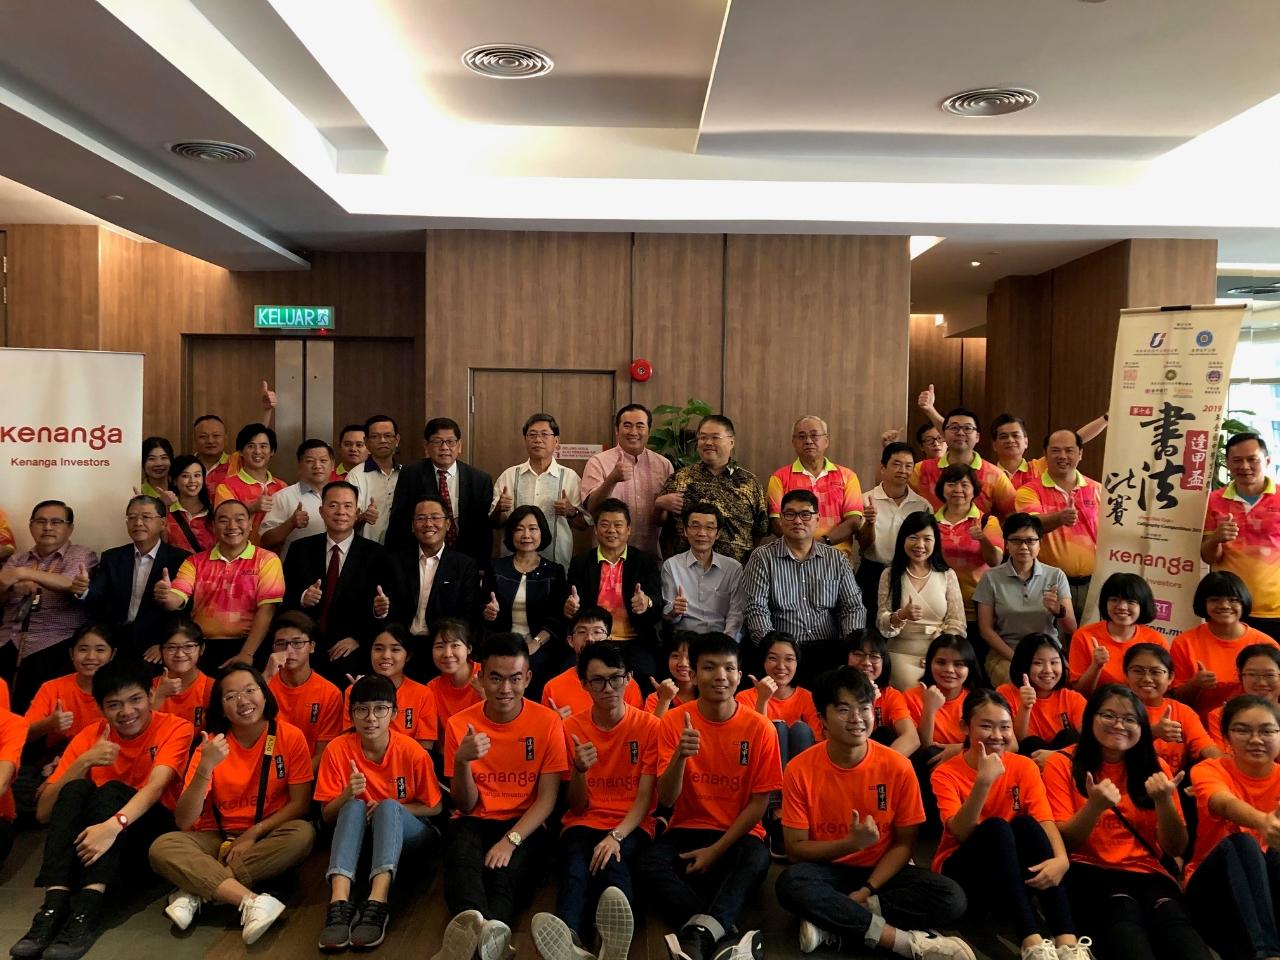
<point>673,437</point>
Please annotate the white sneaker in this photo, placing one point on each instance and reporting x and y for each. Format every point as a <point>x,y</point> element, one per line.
<point>495,936</point>
<point>552,938</point>
<point>615,924</point>
<point>461,936</point>
<point>1076,951</point>
<point>182,908</point>
<point>750,946</point>
<point>1044,950</point>
<point>928,945</point>
<point>813,936</point>
<point>257,914</point>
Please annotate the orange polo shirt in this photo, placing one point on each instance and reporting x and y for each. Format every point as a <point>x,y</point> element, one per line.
<point>166,742</point>
<point>1221,775</point>
<point>241,486</point>
<point>837,488</point>
<point>1254,555</point>
<point>1071,549</point>
<point>995,494</point>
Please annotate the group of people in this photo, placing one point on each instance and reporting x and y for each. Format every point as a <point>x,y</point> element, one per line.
<point>733,672</point>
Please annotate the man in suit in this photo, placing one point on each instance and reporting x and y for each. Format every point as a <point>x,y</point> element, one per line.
<point>430,580</point>
<point>467,494</point>
<point>335,577</point>
<point>121,590</point>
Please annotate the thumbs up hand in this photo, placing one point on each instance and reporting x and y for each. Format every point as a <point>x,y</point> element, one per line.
<point>491,608</point>
<point>356,783</point>
<point>80,582</point>
<point>869,510</point>
<point>168,497</point>
<point>163,593</point>
<point>926,398</point>
<point>370,514</point>
<point>1101,655</point>
<point>990,765</point>
<point>1166,728</point>
<point>169,686</point>
<point>381,603</point>
<point>103,753</point>
<point>690,739</point>
<point>1027,693</point>
<point>565,712</point>
<point>667,691</point>
<point>639,602</point>
<point>275,663</point>
<point>313,594</point>
<point>572,603</point>
<point>765,687</point>
<point>505,501</point>
<point>213,750</point>
<point>1104,795</point>
<point>1203,679</point>
<point>863,833</point>
<point>269,399</point>
<point>62,718</point>
<point>563,507</point>
<point>584,754</point>
<point>300,518</point>
<point>680,605</point>
<point>473,746</point>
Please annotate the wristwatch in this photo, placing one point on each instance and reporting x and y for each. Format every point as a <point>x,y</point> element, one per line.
<point>514,839</point>
<point>121,819</point>
<point>617,836</point>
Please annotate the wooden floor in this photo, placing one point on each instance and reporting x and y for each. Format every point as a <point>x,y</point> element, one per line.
<point>138,929</point>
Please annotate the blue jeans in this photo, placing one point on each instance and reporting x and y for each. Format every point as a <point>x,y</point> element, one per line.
<point>394,830</point>
<point>793,740</point>
<point>580,888</point>
<point>1233,897</point>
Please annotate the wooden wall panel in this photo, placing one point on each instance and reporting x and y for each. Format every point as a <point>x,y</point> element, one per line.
<point>53,286</point>
<point>1019,345</point>
<point>1164,273</point>
<point>974,379</point>
<point>935,359</point>
<point>815,324</point>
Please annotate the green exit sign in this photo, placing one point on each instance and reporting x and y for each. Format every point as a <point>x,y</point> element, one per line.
<point>276,317</point>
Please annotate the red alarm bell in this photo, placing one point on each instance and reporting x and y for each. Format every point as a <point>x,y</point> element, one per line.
<point>641,370</point>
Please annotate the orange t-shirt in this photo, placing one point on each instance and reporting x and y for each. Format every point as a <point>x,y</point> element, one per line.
<point>818,796</point>
<point>416,710</point>
<point>797,708</point>
<point>166,742</point>
<point>80,702</point>
<point>314,707</point>
<point>566,690</point>
<point>625,754</point>
<point>405,773</point>
<point>451,699</point>
<point>1214,726</point>
<point>1194,736</point>
<point>651,702</point>
<point>1082,642</point>
<point>13,737</point>
<point>737,759</point>
<point>1110,843</point>
<point>1062,708</point>
<point>890,707</point>
<point>234,788</point>
<point>192,704</point>
<point>1018,791</point>
<point>946,722</point>
<point>4,689</point>
<point>520,751</point>
<point>1199,645</point>
<point>1216,776</point>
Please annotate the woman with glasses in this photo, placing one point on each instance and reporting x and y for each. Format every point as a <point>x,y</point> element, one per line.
<point>1116,806</point>
<point>187,524</point>
<point>1259,668</point>
<point>183,689</point>
<point>919,597</point>
<point>1180,737</point>
<point>1125,606</point>
<point>869,655</point>
<point>242,814</point>
<point>416,710</point>
<point>1233,878</point>
<point>1021,596</point>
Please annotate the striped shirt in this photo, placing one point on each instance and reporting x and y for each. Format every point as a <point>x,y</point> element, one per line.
<point>58,614</point>
<point>812,599</point>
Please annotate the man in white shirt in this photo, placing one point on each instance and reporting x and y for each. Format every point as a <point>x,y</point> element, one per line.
<point>295,510</point>
<point>702,589</point>
<point>884,509</point>
<point>377,479</point>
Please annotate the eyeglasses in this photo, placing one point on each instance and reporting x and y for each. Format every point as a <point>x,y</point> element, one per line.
<point>1155,673</point>
<point>805,515</point>
<point>1248,733</point>
<point>437,442</point>
<point>141,517</point>
<point>1111,719</point>
<point>597,633</point>
<point>299,644</point>
<point>1022,541</point>
<point>867,657</point>
<point>237,695</point>
<point>431,518</point>
<point>699,525</point>
<point>811,435</point>
<point>844,711</point>
<point>540,434</point>
<point>615,681</point>
<point>379,711</point>
<point>46,522</point>
<point>1270,676</point>
<point>187,648</point>
<point>713,437</point>
<point>961,428</point>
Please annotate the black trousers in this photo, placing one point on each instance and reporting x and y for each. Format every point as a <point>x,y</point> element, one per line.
<point>470,885</point>
<point>25,678</point>
<point>721,892</point>
<point>1135,916</point>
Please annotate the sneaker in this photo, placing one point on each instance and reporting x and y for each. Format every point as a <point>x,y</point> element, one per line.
<point>693,942</point>
<point>44,927</point>
<point>660,824</point>
<point>1076,951</point>
<point>812,937</point>
<point>74,939</point>
<point>257,914</point>
<point>368,931</point>
<point>461,936</point>
<point>182,908</point>
<point>336,934</point>
<point>1044,950</point>
<point>749,946</point>
<point>495,937</point>
<point>553,939</point>
<point>615,924</point>
<point>928,945</point>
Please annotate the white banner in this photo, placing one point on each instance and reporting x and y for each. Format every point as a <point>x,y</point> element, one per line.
<point>71,430</point>
<point>1168,393</point>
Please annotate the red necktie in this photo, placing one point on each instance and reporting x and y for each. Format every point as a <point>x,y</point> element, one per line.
<point>330,585</point>
<point>450,535</point>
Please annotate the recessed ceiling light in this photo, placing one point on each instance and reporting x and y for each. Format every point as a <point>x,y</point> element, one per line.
<point>990,101</point>
<point>975,263</point>
<point>113,196</point>
<point>508,61</point>
<point>211,151</point>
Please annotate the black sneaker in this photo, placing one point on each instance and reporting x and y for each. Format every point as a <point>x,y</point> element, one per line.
<point>693,942</point>
<point>336,934</point>
<point>74,940</point>
<point>368,931</point>
<point>44,927</point>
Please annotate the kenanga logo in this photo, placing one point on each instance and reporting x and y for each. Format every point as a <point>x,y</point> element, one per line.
<point>98,438</point>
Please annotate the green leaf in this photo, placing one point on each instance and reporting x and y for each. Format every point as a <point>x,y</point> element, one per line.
<point>665,408</point>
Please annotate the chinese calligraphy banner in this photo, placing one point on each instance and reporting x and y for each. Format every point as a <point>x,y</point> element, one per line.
<point>1168,393</point>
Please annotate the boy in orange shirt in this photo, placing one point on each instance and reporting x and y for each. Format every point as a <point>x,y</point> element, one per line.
<point>719,762</point>
<point>564,692</point>
<point>307,700</point>
<point>852,874</point>
<point>505,756</point>
<point>111,795</point>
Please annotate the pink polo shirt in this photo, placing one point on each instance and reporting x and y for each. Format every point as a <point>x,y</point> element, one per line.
<point>1071,549</point>
<point>837,488</point>
<point>1254,555</point>
<point>964,554</point>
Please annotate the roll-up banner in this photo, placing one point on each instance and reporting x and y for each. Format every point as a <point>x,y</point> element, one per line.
<point>71,430</point>
<point>1168,395</point>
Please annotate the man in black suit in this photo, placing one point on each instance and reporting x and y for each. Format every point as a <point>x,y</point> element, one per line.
<point>429,581</point>
<point>467,494</point>
<point>626,581</point>
<point>120,592</point>
<point>335,577</point>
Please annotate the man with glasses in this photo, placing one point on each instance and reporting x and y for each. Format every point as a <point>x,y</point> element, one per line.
<point>631,472</point>
<point>543,482</point>
<point>837,488</point>
<point>995,492</point>
<point>802,588</point>
<point>566,693</point>
<point>40,612</point>
<point>378,478</point>
<point>121,590</point>
<point>718,479</point>
<point>466,492</point>
<point>295,510</point>
<point>702,589</point>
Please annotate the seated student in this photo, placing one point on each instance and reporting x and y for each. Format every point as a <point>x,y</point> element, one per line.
<point>505,756</point>
<point>64,706</point>
<point>416,711</point>
<point>1047,713</point>
<point>183,689</point>
<point>678,687</point>
<point>1180,737</point>
<point>1126,605</point>
<point>564,692</point>
<point>1233,877</point>
<point>307,700</point>
<point>1117,810</point>
<point>1259,667</point>
<point>242,814</point>
<point>13,734</point>
<point>608,823</point>
<point>936,705</point>
<point>1204,658</point>
<point>718,762</point>
<point>455,687</point>
<point>123,772</point>
<point>868,653</point>
<point>852,881</point>
<point>375,783</point>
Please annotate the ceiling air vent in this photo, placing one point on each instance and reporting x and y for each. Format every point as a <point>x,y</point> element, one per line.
<point>508,61</point>
<point>211,151</point>
<point>990,101</point>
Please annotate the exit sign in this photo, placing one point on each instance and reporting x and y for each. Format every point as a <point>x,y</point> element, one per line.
<point>275,317</point>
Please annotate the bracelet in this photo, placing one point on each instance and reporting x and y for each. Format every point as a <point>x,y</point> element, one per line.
<point>871,888</point>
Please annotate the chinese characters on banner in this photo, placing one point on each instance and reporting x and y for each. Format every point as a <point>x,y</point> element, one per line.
<point>1168,394</point>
